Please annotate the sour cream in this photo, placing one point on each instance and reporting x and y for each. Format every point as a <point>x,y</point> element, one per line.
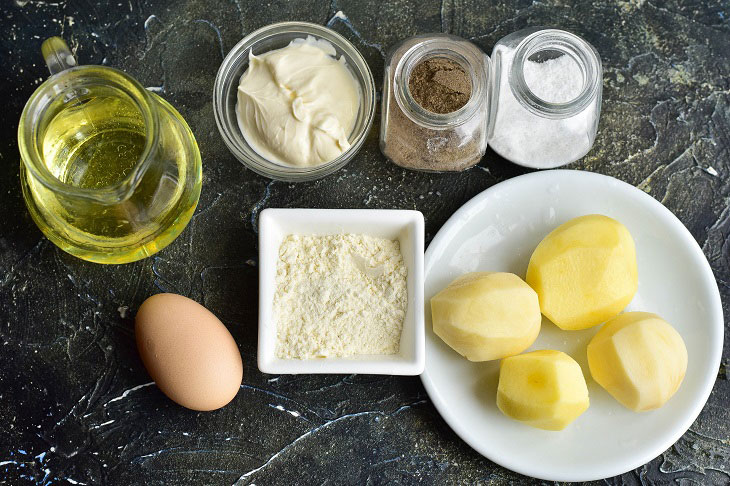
<point>298,105</point>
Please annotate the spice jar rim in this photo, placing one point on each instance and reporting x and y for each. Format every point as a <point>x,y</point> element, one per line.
<point>461,51</point>
<point>78,78</point>
<point>584,55</point>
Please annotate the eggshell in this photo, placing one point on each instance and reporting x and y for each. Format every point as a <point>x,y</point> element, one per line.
<point>188,352</point>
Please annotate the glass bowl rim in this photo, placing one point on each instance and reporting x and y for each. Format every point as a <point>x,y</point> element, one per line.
<point>249,157</point>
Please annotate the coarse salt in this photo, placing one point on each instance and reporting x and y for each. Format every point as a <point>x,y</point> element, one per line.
<point>535,140</point>
<point>556,80</point>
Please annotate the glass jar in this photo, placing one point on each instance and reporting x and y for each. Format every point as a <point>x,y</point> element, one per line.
<point>415,138</point>
<point>277,36</point>
<point>546,97</point>
<point>110,172</point>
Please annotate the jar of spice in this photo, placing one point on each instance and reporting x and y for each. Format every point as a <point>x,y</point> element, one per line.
<point>546,97</point>
<point>537,101</point>
<point>435,104</point>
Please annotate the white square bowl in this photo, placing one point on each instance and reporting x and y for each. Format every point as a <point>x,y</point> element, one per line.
<point>405,226</point>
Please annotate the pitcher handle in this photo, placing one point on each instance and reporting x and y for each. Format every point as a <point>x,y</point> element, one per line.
<point>57,55</point>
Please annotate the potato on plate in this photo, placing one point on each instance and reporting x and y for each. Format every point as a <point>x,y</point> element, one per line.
<point>544,389</point>
<point>639,359</point>
<point>584,272</point>
<point>485,315</point>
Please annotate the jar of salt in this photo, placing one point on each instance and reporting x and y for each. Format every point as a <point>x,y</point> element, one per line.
<point>545,97</point>
<point>435,104</point>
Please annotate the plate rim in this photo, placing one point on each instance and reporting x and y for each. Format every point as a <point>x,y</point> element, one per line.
<point>716,312</point>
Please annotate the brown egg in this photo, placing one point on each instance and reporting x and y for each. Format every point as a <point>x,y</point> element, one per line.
<point>188,352</point>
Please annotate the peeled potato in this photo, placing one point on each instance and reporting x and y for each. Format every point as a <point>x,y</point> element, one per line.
<point>639,359</point>
<point>544,389</point>
<point>584,272</point>
<point>485,315</point>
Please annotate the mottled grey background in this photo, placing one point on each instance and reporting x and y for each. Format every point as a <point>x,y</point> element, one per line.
<point>76,405</point>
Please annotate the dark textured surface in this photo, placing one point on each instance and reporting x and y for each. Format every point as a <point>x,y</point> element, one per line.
<point>76,406</point>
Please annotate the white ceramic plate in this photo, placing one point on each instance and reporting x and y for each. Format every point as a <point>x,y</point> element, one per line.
<point>497,231</point>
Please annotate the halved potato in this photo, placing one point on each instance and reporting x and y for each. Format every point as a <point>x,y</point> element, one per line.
<point>639,359</point>
<point>485,316</point>
<point>584,272</point>
<point>544,389</point>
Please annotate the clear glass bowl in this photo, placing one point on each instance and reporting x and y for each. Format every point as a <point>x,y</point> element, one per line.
<point>276,36</point>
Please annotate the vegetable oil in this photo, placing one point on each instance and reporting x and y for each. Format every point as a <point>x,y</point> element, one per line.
<point>111,172</point>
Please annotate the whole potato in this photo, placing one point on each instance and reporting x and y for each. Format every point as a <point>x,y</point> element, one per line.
<point>485,316</point>
<point>584,272</point>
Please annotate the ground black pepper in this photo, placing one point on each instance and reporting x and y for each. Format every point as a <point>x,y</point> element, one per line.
<point>439,85</point>
<point>430,147</point>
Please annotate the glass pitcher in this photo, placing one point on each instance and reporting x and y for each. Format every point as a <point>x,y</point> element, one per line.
<point>110,172</point>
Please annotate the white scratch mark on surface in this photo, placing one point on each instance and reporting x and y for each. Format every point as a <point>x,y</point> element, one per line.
<point>303,437</point>
<point>123,309</point>
<point>410,405</point>
<point>217,33</point>
<point>258,206</point>
<point>127,392</point>
<point>341,17</point>
<point>149,20</point>
<point>290,412</point>
<point>102,424</point>
<point>441,15</point>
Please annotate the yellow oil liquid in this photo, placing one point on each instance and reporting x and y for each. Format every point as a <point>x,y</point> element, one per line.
<point>105,159</point>
<point>95,144</point>
<point>83,148</point>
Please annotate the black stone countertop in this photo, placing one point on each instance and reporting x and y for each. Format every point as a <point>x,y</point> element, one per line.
<point>76,405</point>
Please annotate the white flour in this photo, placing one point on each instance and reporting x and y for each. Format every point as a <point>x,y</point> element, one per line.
<point>339,295</point>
